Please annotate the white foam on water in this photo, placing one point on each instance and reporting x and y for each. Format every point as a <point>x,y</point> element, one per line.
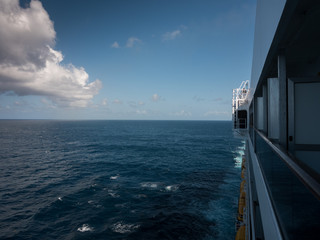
<point>151,185</point>
<point>221,212</point>
<point>114,177</point>
<point>121,227</point>
<point>85,228</point>
<point>239,153</point>
<point>238,161</point>
<point>94,204</point>
<point>73,143</point>
<point>113,194</point>
<point>60,198</point>
<point>121,205</point>
<point>140,196</point>
<point>172,188</point>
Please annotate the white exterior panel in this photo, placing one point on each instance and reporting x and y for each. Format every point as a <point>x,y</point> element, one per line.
<point>273,108</point>
<point>260,113</point>
<point>267,19</point>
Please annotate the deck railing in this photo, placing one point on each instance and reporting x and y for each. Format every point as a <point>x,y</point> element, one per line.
<point>240,123</point>
<point>293,193</point>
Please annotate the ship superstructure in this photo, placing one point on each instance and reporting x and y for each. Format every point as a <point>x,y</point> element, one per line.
<point>282,168</point>
<point>240,106</point>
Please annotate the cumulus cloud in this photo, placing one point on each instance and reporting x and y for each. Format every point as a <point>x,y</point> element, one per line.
<point>135,104</point>
<point>156,98</point>
<point>198,99</point>
<point>105,102</point>
<point>141,112</point>
<point>117,101</point>
<point>171,35</point>
<point>29,64</point>
<point>115,45</point>
<point>132,41</point>
<point>183,113</point>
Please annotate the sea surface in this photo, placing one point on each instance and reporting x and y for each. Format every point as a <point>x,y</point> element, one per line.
<point>118,179</point>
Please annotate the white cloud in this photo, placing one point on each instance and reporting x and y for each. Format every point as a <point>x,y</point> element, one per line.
<point>141,112</point>
<point>198,99</point>
<point>47,103</point>
<point>115,45</point>
<point>28,63</point>
<point>105,102</point>
<point>171,35</point>
<point>183,113</point>
<point>117,101</point>
<point>156,98</point>
<point>216,113</point>
<point>132,41</point>
<point>132,104</point>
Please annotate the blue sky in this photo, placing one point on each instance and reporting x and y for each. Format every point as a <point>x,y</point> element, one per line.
<point>122,59</point>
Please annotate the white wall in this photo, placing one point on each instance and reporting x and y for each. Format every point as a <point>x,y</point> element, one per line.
<point>273,108</point>
<point>259,113</point>
<point>267,18</point>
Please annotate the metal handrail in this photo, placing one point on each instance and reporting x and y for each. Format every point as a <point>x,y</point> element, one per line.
<point>308,180</point>
<point>268,216</point>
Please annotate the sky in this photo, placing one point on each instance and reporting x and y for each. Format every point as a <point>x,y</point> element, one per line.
<point>123,59</point>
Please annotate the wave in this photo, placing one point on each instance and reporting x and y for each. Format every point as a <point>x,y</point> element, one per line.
<point>114,177</point>
<point>238,155</point>
<point>150,185</point>
<point>113,194</point>
<point>85,228</point>
<point>121,227</point>
<point>172,188</point>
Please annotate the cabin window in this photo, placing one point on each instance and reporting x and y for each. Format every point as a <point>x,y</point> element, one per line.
<point>303,122</point>
<point>242,118</point>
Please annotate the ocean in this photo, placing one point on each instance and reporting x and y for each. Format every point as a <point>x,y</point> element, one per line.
<point>118,179</point>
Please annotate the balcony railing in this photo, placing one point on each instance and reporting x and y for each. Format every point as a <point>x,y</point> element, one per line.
<point>293,193</point>
<point>240,123</point>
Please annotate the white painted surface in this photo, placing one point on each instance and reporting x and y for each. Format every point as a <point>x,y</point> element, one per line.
<point>267,18</point>
<point>307,113</point>
<point>273,108</point>
<point>260,113</point>
<point>269,221</point>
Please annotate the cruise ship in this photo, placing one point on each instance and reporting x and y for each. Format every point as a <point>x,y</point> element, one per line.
<point>278,114</point>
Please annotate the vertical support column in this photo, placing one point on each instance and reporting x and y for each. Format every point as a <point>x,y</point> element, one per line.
<point>259,113</point>
<point>265,108</point>
<point>273,108</point>
<point>283,120</point>
<point>254,121</point>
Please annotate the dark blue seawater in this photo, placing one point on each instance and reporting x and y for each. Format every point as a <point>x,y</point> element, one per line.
<point>118,179</point>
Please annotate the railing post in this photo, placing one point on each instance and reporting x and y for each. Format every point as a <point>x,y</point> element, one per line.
<point>283,120</point>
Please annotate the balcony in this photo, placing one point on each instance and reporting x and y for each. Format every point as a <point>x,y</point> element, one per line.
<point>293,194</point>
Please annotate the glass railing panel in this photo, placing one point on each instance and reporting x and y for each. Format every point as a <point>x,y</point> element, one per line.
<point>297,209</point>
<point>310,159</point>
<point>251,132</point>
